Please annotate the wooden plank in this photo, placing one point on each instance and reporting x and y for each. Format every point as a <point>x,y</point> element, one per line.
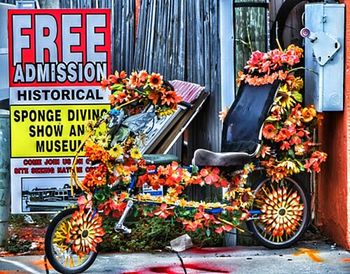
<point>182,40</point>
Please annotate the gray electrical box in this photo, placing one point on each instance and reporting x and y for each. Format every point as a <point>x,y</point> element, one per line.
<point>324,56</point>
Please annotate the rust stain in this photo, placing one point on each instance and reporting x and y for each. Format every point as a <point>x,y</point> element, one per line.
<point>311,253</point>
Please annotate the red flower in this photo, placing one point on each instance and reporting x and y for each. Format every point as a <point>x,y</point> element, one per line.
<point>269,131</point>
<point>192,226</point>
<point>164,211</point>
<point>285,146</point>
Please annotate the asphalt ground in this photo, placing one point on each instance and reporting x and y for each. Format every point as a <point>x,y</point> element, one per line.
<point>305,257</point>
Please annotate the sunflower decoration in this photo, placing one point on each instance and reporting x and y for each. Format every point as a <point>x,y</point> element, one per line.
<point>86,232</point>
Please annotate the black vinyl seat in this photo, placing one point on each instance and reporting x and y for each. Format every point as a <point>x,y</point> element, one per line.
<point>242,128</point>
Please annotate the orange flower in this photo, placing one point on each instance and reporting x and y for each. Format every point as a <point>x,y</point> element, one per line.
<point>223,228</point>
<point>96,177</point>
<point>134,79</point>
<point>285,146</point>
<point>240,77</point>
<point>269,131</point>
<point>308,114</point>
<point>192,226</point>
<point>155,80</point>
<point>86,232</point>
<point>154,96</point>
<point>143,75</point>
<point>265,150</point>
<point>105,83</point>
<point>164,211</point>
<point>170,98</point>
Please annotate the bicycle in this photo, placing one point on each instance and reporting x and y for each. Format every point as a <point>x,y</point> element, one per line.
<point>276,211</point>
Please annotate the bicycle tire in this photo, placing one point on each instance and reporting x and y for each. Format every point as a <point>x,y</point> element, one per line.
<point>52,252</point>
<point>264,228</point>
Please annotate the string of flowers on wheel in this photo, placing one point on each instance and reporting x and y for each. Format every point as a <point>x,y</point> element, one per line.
<point>116,155</point>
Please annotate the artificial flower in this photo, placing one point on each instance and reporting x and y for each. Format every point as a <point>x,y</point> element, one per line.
<point>308,114</point>
<point>269,131</point>
<point>116,151</point>
<point>155,80</point>
<point>86,232</point>
<point>135,153</point>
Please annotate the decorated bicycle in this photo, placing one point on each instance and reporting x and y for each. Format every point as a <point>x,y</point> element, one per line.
<point>266,129</point>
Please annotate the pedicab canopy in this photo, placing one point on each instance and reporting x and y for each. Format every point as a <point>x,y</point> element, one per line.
<point>57,60</point>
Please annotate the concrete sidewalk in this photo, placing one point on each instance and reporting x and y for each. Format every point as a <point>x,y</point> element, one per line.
<point>306,257</point>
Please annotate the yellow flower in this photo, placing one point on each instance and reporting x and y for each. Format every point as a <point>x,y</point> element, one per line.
<point>135,153</point>
<point>298,83</point>
<point>103,140</point>
<point>285,99</point>
<point>116,151</point>
<point>164,112</point>
<point>290,166</point>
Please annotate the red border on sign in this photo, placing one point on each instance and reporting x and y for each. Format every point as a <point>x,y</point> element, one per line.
<point>29,53</point>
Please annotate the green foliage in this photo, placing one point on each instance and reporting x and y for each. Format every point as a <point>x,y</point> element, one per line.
<point>17,245</point>
<point>153,233</point>
<point>41,220</point>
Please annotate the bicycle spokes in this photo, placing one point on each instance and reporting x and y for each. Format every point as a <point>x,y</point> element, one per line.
<point>62,245</point>
<point>282,211</point>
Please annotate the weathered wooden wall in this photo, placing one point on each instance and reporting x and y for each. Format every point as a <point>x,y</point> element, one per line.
<point>180,39</point>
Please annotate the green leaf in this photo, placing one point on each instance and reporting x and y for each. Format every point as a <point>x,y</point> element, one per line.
<point>136,213</point>
<point>121,135</point>
<point>99,196</point>
<point>195,169</point>
<point>291,153</point>
<point>117,87</point>
<point>208,232</point>
<point>298,97</point>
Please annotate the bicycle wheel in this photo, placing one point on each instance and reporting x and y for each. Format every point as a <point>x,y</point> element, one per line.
<point>60,253</point>
<point>284,213</point>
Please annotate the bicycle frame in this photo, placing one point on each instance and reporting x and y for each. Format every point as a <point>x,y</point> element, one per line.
<point>120,227</point>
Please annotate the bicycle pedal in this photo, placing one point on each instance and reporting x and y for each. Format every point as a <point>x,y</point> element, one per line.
<point>122,228</point>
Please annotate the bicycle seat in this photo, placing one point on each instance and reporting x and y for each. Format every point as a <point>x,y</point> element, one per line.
<point>242,128</point>
<point>160,159</point>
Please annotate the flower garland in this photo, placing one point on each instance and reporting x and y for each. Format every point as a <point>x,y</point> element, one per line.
<point>288,132</point>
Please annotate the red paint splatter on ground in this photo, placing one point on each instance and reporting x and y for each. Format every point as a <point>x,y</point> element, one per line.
<point>345,260</point>
<point>177,269</point>
<point>208,250</point>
